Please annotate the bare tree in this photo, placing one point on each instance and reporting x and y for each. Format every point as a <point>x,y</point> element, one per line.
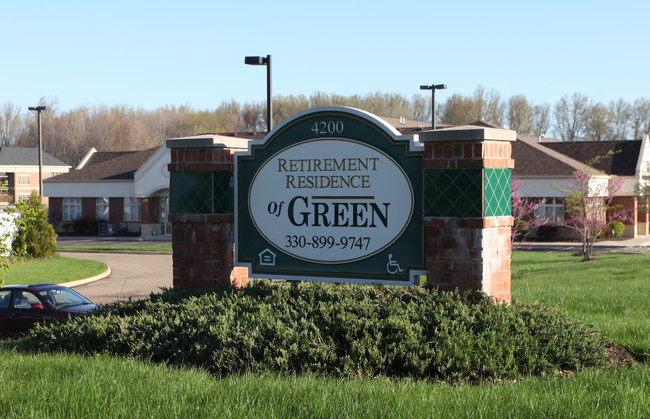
<point>11,123</point>
<point>571,115</point>
<point>541,119</point>
<point>620,113</point>
<point>640,118</point>
<point>597,126</point>
<point>520,114</point>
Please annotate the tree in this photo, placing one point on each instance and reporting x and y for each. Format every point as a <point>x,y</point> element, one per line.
<point>589,209</point>
<point>571,115</point>
<point>620,113</point>
<point>640,119</point>
<point>11,124</point>
<point>35,238</point>
<point>520,115</point>
<point>541,119</point>
<point>597,126</point>
<point>458,110</point>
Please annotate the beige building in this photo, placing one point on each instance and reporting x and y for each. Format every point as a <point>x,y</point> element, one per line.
<point>19,172</point>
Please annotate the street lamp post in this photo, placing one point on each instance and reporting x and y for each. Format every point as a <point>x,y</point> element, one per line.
<point>433,88</point>
<point>39,109</point>
<point>269,104</point>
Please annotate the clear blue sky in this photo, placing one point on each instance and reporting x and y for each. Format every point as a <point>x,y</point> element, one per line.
<point>155,53</point>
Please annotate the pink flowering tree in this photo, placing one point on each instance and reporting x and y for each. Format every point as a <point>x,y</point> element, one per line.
<point>523,212</point>
<point>588,207</point>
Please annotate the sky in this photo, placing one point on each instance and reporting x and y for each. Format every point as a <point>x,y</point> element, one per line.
<point>148,54</point>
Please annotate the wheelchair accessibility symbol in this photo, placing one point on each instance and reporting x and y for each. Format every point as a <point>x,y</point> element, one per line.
<point>392,267</point>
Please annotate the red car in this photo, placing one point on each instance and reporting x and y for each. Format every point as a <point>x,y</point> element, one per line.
<point>22,306</point>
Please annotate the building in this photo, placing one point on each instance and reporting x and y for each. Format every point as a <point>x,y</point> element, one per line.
<point>19,170</point>
<point>120,192</point>
<point>547,167</point>
<point>123,192</point>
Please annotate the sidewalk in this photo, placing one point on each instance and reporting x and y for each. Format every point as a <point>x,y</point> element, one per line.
<point>115,240</point>
<point>634,245</point>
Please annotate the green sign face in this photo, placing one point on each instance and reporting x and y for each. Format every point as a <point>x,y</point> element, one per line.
<point>332,194</point>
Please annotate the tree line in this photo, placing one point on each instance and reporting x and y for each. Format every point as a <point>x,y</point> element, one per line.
<point>68,135</point>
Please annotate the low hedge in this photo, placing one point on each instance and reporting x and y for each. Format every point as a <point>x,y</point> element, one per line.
<point>333,330</point>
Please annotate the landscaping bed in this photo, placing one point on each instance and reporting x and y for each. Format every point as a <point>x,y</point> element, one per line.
<point>334,331</point>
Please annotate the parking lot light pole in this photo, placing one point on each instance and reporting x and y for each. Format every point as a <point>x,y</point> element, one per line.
<point>39,109</point>
<point>258,60</point>
<point>433,88</point>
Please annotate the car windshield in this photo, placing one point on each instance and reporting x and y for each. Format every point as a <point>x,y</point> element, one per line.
<point>63,297</point>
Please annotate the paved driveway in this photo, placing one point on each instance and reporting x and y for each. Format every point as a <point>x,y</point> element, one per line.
<point>133,275</point>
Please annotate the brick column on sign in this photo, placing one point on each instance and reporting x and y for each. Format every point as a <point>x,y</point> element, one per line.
<point>469,253</point>
<point>203,247</point>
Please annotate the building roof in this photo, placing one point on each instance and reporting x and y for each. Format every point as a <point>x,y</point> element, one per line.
<point>532,158</point>
<point>120,165</point>
<point>623,161</point>
<point>27,156</point>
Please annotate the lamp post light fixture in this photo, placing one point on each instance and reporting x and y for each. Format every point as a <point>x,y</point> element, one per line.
<point>433,88</point>
<point>39,109</point>
<point>269,104</point>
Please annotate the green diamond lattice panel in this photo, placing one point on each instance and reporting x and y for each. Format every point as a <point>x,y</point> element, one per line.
<point>453,193</point>
<point>201,193</point>
<point>498,200</point>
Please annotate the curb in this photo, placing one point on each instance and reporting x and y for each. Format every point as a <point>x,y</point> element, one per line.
<point>72,284</point>
<point>126,252</point>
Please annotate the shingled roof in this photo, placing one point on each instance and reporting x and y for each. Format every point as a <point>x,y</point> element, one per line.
<point>623,161</point>
<point>120,165</point>
<point>27,156</point>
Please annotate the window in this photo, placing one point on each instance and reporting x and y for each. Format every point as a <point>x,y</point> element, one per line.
<point>71,209</point>
<point>23,197</point>
<point>23,179</point>
<point>25,299</point>
<point>102,209</point>
<point>5,298</point>
<point>132,209</point>
<point>552,209</point>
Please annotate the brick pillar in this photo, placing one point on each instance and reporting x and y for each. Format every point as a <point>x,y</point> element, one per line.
<point>201,211</point>
<point>467,209</point>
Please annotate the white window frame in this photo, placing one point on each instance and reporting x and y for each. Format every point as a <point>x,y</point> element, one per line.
<point>71,209</point>
<point>24,197</point>
<point>132,209</point>
<point>101,209</point>
<point>24,180</point>
<point>552,210</point>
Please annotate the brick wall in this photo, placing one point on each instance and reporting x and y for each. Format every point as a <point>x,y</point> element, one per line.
<point>469,250</point>
<point>203,247</point>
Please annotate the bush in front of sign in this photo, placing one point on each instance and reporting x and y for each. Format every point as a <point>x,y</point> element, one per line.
<point>336,331</point>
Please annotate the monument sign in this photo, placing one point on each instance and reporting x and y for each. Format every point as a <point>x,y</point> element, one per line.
<point>332,194</point>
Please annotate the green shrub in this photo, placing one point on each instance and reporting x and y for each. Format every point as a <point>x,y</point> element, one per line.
<point>333,330</point>
<point>618,228</point>
<point>35,238</point>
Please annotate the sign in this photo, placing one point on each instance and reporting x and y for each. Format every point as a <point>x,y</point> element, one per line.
<point>332,194</point>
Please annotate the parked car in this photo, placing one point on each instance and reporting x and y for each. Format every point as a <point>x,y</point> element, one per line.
<point>22,306</point>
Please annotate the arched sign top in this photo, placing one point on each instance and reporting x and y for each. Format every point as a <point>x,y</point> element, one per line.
<point>332,193</point>
<point>331,109</point>
<point>341,111</point>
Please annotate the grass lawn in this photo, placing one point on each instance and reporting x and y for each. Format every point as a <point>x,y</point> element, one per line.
<point>612,292</point>
<point>609,293</point>
<point>57,269</point>
<point>121,248</point>
<point>63,386</point>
